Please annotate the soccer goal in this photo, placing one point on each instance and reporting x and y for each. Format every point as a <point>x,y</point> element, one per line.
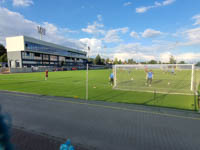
<point>162,78</point>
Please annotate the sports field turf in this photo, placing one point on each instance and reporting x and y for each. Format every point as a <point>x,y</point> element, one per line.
<point>178,82</point>
<point>72,84</point>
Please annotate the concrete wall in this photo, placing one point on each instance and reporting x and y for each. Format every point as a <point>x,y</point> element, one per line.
<point>15,43</point>
<point>13,57</point>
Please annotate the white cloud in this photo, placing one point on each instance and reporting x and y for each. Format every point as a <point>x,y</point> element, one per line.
<point>148,33</point>
<point>94,44</point>
<point>138,57</point>
<point>189,57</point>
<point>140,53</point>
<point>191,37</point>
<point>14,24</point>
<point>193,34</point>
<point>158,50</point>
<point>112,36</point>
<point>158,4</point>
<point>95,28</point>
<point>197,19</point>
<point>134,35</point>
<point>168,2</point>
<point>144,9</point>
<point>24,3</point>
<point>135,51</point>
<point>164,57</point>
<point>127,3</point>
<point>99,17</point>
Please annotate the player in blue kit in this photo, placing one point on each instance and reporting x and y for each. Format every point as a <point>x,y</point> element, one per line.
<point>149,78</point>
<point>111,79</point>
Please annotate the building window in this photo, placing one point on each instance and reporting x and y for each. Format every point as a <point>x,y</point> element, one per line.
<point>51,50</point>
<point>53,58</point>
<point>17,64</point>
<point>45,57</point>
<point>61,58</point>
<point>37,54</point>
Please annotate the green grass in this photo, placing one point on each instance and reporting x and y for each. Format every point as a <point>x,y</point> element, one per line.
<point>163,82</point>
<point>72,84</point>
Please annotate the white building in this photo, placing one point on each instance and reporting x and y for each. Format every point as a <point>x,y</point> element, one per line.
<point>25,51</point>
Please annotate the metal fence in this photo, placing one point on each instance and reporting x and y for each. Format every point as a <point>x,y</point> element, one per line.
<point>42,69</point>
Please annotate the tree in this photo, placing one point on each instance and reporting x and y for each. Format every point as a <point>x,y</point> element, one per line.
<point>91,61</point>
<point>103,61</point>
<point>152,62</point>
<point>120,62</point>
<point>2,50</point>
<point>107,61</point>
<point>3,54</point>
<point>198,64</point>
<point>116,61</point>
<point>172,60</point>
<point>131,61</point>
<point>143,62</point>
<point>182,62</point>
<point>97,60</point>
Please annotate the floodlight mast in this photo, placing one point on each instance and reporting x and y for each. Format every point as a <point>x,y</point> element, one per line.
<point>41,31</point>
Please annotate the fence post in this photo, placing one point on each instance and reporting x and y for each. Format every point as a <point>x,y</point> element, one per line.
<point>195,100</point>
<point>198,100</point>
<point>87,82</point>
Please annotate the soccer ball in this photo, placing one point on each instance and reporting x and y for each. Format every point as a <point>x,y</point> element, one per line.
<point>132,79</point>
<point>168,83</point>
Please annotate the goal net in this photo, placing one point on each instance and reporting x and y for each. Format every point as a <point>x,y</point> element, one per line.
<point>162,78</point>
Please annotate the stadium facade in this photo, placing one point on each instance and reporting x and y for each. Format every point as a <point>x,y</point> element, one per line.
<point>29,52</point>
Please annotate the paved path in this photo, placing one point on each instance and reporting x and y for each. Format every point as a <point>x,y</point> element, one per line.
<point>104,126</point>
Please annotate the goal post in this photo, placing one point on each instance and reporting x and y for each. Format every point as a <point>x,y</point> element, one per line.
<point>192,78</point>
<point>115,75</point>
<point>164,78</point>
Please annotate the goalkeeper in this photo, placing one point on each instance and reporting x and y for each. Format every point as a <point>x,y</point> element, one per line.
<point>149,78</point>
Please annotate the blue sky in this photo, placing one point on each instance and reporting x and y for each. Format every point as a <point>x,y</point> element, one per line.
<point>138,29</point>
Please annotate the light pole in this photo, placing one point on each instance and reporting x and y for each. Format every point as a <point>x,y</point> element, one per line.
<point>41,31</point>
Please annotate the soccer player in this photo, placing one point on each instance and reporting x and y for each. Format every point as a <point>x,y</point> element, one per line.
<point>46,74</point>
<point>173,70</point>
<point>111,79</point>
<point>149,78</point>
<point>129,71</point>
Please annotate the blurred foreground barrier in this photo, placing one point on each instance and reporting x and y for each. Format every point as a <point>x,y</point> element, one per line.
<point>5,125</point>
<point>67,146</point>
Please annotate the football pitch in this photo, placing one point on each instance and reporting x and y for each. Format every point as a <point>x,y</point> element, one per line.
<point>178,82</point>
<point>73,83</point>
